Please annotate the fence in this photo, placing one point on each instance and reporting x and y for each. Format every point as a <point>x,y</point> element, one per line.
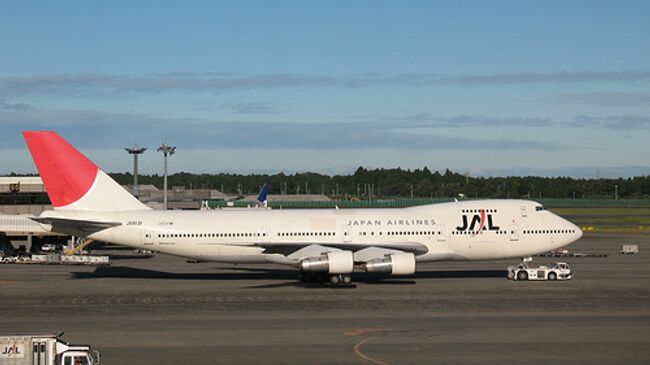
<point>401,203</point>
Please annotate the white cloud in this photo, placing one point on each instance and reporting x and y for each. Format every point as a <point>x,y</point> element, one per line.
<point>83,85</point>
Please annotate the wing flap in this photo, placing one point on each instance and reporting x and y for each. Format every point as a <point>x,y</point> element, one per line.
<point>287,248</point>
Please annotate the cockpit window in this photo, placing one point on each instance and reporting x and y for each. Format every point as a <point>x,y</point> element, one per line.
<point>538,208</point>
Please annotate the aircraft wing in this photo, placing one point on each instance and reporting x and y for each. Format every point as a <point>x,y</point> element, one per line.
<point>288,248</point>
<point>73,226</point>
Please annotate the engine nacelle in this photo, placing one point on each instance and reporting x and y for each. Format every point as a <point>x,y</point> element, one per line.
<point>396,264</point>
<point>334,262</point>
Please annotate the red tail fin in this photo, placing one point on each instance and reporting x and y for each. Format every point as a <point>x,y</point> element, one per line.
<point>66,173</point>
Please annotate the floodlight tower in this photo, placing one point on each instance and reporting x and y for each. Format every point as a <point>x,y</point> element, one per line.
<point>167,151</point>
<point>135,151</point>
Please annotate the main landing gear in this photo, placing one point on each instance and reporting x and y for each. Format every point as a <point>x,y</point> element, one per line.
<point>321,277</point>
<point>340,279</point>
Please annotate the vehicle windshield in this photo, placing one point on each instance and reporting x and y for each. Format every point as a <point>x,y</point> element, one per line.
<point>81,360</point>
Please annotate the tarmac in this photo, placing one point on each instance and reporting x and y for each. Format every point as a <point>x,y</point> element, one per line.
<point>162,310</point>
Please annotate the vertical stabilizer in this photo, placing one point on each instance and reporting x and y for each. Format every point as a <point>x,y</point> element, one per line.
<point>261,198</point>
<point>72,181</point>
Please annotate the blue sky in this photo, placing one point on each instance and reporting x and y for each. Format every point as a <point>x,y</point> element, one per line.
<point>493,87</point>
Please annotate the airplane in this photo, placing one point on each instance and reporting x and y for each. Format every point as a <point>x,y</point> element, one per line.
<point>261,201</point>
<point>326,245</point>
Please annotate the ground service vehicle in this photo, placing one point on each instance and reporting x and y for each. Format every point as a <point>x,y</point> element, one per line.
<point>558,271</point>
<point>44,349</point>
<point>629,249</point>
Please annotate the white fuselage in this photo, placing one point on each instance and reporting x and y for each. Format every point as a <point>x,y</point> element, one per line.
<point>469,230</point>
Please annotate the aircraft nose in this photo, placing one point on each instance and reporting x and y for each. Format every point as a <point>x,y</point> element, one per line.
<point>574,229</point>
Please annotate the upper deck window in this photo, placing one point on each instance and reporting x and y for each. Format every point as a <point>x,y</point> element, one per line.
<point>538,208</point>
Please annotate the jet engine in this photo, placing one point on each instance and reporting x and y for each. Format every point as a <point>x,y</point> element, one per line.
<point>396,264</point>
<point>334,262</point>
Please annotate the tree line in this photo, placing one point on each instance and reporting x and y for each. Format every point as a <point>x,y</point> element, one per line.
<point>397,182</point>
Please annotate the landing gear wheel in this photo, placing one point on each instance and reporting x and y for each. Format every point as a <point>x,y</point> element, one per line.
<point>335,280</point>
<point>522,275</point>
<point>552,276</point>
<point>346,278</point>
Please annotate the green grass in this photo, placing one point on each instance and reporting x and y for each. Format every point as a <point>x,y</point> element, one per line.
<point>602,211</point>
<point>613,220</point>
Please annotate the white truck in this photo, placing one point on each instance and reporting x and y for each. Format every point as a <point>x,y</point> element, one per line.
<point>557,271</point>
<point>629,249</point>
<point>45,349</point>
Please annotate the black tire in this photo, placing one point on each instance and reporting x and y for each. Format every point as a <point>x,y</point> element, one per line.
<point>320,277</point>
<point>335,280</point>
<point>306,277</point>
<point>552,276</point>
<point>522,275</point>
<point>347,279</point>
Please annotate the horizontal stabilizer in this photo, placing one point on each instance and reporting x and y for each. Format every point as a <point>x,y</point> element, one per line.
<point>77,227</point>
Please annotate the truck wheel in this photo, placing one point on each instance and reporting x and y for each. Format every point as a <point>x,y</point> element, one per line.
<point>522,275</point>
<point>552,276</point>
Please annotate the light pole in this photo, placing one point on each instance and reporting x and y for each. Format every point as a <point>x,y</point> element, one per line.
<point>135,151</point>
<point>167,151</point>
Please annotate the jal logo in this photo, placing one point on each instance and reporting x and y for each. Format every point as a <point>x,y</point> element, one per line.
<point>11,351</point>
<point>477,222</point>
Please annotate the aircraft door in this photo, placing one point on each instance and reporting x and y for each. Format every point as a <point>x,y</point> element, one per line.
<point>514,232</point>
<point>266,234</point>
<point>347,235</point>
<point>441,232</point>
<point>147,237</point>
